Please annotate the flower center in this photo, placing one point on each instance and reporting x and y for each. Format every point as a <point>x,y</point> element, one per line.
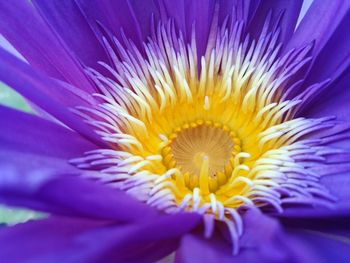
<point>172,128</point>
<point>204,152</point>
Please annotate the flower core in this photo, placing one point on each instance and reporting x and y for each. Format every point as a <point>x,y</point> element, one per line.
<point>204,153</point>
<point>209,134</point>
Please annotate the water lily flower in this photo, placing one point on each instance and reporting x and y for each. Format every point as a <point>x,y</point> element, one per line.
<point>210,130</point>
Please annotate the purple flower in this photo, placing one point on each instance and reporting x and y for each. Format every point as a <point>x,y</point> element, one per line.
<point>218,130</point>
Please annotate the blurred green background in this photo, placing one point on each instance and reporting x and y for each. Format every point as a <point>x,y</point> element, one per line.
<point>10,98</point>
<point>10,215</point>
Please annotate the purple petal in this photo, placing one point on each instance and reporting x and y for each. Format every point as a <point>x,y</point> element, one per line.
<point>342,210</point>
<point>34,40</point>
<point>333,63</point>
<point>117,243</point>
<point>66,19</point>
<point>77,240</point>
<point>333,101</point>
<point>327,234</point>
<point>319,23</point>
<point>195,249</point>
<point>34,157</point>
<point>325,223</point>
<point>189,14</point>
<point>263,236</point>
<point>245,9</point>
<point>117,16</point>
<point>42,240</point>
<point>177,11</point>
<point>33,149</point>
<point>329,247</point>
<point>50,191</point>
<point>144,12</point>
<point>287,11</point>
<point>336,179</point>
<point>334,58</point>
<point>327,237</point>
<point>201,14</point>
<point>27,133</point>
<point>263,241</point>
<point>152,229</point>
<point>40,90</point>
<point>338,184</point>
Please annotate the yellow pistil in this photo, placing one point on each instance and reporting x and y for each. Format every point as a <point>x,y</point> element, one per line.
<point>202,145</point>
<point>204,176</point>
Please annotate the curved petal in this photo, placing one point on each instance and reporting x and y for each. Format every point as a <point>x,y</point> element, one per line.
<point>334,58</point>
<point>319,23</point>
<point>333,101</point>
<point>42,240</point>
<point>175,10</point>
<point>118,16</point>
<point>246,9</point>
<point>34,156</point>
<point>39,90</point>
<point>47,190</point>
<point>34,40</point>
<point>329,237</point>
<point>328,224</point>
<point>66,19</point>
<point>27,133</point>
<point>332,62</point>
<point>119,242</point>
<point>338,184</point>
<point>33,149</point>
<point>201,15</point>
<point>329,247</point>
<point>284,13</point>
<point>78,240</point>
<point>336,179</point>
<point>340,211</point>
<point>263,241</point>
<point>194,249</point>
